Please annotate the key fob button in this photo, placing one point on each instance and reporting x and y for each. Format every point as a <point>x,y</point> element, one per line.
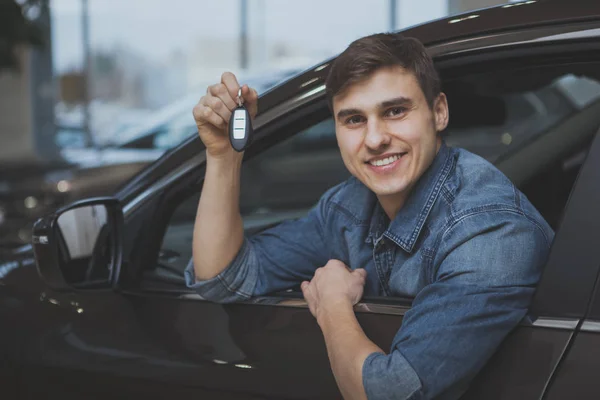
<point>239,124</point>
<point>240,129</point>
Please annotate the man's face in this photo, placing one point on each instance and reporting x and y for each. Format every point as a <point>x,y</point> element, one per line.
<point>387,134</point>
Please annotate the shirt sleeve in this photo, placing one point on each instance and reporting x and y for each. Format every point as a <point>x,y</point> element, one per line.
<point>482,284</point>
<point>273,260</point>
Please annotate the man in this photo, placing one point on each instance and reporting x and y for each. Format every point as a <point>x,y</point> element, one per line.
<point>417,219</point>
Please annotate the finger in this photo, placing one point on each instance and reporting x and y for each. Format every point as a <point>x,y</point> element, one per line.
<point>217,105</point>
<point>336,264</point>
<point>203,115</point>
<point>304,285</point>
<point>361,272</point>
<point>231,83</point>
<point>250,100</point>
<point>220,91</point>
<point>306,291</point>
<point>308,296</point>
<point>318,272</point>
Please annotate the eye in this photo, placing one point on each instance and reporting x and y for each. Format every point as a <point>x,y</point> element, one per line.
<point>353,120</point>
<point>392,112</point>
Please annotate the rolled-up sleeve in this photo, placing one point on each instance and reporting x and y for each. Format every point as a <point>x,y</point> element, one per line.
<point>380,369</point>
<point>483,281</point>
<point>273,260</point>
<point>235,283</point>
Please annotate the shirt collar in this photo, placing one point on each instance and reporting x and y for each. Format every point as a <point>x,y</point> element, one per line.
<point>404,230</point>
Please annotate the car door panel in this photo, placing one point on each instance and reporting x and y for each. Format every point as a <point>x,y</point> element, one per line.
<point>99,345</point>
<point>577,377</point>
<point>172,345</point>
<point>522,365</point>
<point>261,349</point>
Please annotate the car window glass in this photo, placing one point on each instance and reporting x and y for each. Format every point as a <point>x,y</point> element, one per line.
<point>175,131</point>
<point>175,123</point>
<point>536,130</point>
<point>519,116</point>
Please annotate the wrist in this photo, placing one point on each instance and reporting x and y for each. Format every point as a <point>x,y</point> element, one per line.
<point>331,308</point>
<point>228,159</point>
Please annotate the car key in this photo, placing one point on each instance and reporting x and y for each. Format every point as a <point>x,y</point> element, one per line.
<point>240,126</point>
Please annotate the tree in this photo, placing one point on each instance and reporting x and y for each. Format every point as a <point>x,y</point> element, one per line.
<point>17,28</point>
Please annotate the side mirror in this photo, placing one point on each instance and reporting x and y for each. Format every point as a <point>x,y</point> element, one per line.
<point>80,246</point>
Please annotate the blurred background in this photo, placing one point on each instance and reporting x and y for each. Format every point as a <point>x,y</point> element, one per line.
<point>92,91</point>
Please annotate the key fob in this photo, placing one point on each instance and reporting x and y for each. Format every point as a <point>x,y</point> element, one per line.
<point>240,129</point>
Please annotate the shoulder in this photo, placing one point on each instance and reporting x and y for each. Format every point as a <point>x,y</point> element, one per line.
<point>481,197</point>
<point>499,247</point>
<point>476,182</point>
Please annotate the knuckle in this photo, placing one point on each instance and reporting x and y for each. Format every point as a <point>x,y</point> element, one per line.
<point>199,112</point>
<point>221,89</point>
<point>196,110</point>
<point>206,112</point>
<point>216,104</point>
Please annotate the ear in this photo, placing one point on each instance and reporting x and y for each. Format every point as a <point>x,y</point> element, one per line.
<point>441,112</point>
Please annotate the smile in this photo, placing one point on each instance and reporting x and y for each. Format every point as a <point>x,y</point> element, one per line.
<point>386,161</point>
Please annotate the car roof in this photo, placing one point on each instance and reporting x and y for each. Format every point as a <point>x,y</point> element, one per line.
<point>508,17</point>
<point>511,16</point>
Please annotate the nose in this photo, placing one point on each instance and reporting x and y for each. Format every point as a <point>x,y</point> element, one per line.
<point>376,137</point>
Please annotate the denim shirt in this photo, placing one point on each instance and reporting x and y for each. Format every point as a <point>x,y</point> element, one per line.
<point>467,246</point>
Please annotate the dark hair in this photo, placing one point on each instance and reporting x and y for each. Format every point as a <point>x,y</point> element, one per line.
<point>366,55</point>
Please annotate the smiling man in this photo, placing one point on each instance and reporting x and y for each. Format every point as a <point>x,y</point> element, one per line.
<point>417,219</point>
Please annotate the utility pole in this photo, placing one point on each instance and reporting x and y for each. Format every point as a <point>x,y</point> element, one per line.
<point>85,28</point>
<point>244,34</point>
<point>39,74</point>
<point>393,7</point>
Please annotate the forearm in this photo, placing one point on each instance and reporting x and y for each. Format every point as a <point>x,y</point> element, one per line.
<point>347,348</point>
<point>218,229</point>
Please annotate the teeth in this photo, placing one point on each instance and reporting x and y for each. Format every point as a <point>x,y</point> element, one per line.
<point>385,161</point>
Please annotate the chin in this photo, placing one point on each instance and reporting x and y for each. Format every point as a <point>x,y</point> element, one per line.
<point>388,190</point>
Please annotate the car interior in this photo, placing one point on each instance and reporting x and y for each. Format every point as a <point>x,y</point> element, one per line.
<point>544,154</point>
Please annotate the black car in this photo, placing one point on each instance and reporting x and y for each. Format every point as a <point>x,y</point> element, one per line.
<point>106,312</point>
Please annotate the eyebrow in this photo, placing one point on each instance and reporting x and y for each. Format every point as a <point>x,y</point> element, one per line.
<point>398,101</point>
<point>347,112</point>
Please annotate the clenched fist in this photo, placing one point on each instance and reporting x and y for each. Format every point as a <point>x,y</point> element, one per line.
<point>214,109</point>
<point>332,285</point>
